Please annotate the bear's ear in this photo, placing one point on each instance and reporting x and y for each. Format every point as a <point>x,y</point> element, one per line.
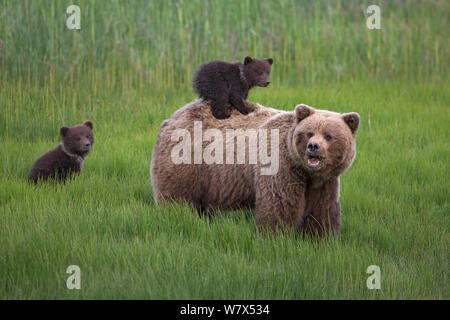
<point>63,131</point>
<point>89,124</point>
<point>352,120</point>
<point>270,61</point>
<point>303,111</point>
<point>247,60</point>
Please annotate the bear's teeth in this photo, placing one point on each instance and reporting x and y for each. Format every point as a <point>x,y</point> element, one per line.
<point>313,161</point>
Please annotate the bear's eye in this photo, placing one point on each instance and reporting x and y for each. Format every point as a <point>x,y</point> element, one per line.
<point>260,73</point>
<point>309,134</point>
<point>78,138</point>
<point>327,137</point>
<point>88,136</point>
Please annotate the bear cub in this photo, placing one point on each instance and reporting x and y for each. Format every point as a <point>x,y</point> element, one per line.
<point>226,83</point>
<point>66,159</point>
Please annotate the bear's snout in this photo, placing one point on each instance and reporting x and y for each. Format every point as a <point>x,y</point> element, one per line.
<point>314,155</point>
<point>264,83</point>
<point>313,148</point>
<point>86,146</point>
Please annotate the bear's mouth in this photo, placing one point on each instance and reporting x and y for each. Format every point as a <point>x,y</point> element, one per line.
<point>85,151</point>
<point>314,162</point>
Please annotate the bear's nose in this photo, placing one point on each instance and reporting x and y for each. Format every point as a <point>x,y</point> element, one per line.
<point>268,82</point>
<point>87,144</point>
<point>313,147</point>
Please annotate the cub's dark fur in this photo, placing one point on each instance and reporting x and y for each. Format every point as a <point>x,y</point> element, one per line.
<point>229,83</point>
<point>66,159</point>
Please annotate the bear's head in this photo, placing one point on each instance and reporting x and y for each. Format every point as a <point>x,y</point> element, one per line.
<point>257,71</point>
<point>323,141</point>
<point>78,139</point>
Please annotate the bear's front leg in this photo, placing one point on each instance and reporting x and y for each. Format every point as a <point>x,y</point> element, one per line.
<point>238,103</point>
<point>279,204</point>
<point>218,106</point>
<point>219,112</point>
<point>323,211</point>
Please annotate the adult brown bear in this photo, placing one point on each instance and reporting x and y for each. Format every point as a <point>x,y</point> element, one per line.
<point>196,159</point>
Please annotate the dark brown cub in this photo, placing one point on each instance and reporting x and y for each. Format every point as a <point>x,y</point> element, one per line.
<point>229,83</point>
<point>67,158</point>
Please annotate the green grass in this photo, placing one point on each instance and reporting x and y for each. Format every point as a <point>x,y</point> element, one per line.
<point>130,67</point>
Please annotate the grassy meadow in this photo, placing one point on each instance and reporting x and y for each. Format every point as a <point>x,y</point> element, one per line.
<point>131,66</point>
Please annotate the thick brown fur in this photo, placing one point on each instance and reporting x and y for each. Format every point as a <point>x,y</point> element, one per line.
<point>222,83</point>
<point>297,196</point>
<point>68,157</point>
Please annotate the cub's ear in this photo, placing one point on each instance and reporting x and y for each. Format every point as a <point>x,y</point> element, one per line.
<point>303,111</point>
<point>89,124</point>
<point>247,60</point>
<point>63,131</point>
<point>352,120</point>
<point>270,61</point>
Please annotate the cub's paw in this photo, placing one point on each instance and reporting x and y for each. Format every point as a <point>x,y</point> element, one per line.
<point>249,106</point>
<point>220,114</point>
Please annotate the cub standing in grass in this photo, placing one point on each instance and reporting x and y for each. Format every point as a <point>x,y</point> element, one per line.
<point>66,159</point>
<point>223,83</point>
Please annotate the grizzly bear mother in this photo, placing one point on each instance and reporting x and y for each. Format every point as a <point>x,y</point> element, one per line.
<point>284,164</point>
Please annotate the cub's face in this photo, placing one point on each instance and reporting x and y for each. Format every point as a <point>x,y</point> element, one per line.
<point>324,142</point>
<point>257,71</point>
<point>78,139</point>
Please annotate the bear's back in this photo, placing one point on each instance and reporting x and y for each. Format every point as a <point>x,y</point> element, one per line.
<point>201,111</point>
<point>226,185</point>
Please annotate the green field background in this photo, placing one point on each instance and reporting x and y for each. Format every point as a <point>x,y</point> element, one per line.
<point>131,66</point>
